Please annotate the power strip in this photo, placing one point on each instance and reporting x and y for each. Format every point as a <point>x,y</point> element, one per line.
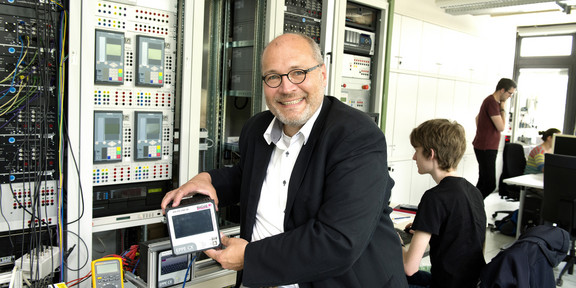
<point>45,261</point>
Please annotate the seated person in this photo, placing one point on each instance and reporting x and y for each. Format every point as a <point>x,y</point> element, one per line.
<point>451,216</point>
<point>535,161</point>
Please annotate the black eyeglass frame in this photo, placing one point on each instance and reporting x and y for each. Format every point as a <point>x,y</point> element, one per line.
<point>305,71</point>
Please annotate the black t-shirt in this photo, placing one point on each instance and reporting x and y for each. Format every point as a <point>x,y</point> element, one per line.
<point>453,212</point>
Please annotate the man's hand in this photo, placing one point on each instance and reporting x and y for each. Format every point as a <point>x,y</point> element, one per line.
<point>232,256</point>
<point>408,228</point>
<point>201,183</point>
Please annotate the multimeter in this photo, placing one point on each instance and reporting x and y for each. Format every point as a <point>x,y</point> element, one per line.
<point>107,273</point>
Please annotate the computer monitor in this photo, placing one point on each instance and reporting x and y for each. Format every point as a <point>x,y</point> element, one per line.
<point>559,203</point>
<point>564,144</point>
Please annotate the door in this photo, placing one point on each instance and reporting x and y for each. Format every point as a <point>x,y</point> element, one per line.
<point>545,61</point>
<point>540,102</point>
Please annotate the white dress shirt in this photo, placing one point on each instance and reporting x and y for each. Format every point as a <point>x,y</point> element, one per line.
<point>272,204</point>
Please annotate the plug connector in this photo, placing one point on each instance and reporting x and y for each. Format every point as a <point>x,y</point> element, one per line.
<point>45,261</point>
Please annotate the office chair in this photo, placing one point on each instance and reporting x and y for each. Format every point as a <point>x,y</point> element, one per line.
<point>559,203</point>
<point>514,162</point>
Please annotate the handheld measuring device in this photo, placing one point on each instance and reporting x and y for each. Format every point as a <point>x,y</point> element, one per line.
<point>192,225</point>
<point>107,273</point>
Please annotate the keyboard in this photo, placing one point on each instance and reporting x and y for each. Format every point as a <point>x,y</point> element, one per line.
<point>406,237</point>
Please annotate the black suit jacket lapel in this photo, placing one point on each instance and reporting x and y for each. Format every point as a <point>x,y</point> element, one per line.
<point>259,162</point>
<point>303,161</point>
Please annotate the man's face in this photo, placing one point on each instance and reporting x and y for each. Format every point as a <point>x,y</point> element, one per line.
<point>424,164</point>
<point>507,94</point>
<point>293,104</point>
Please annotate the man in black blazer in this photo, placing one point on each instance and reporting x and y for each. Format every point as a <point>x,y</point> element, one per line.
<point>312,183</point>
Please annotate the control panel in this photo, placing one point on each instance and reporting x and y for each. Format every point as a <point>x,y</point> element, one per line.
<point>359,49</point>
<point>19,199</point>
<point>107,136</point>
<point>29,113</point>
<point>109,59</point>
<point>150,68</point>
<point>304,17</point>
<point>134,91</point>
<point>359,41</point>
<point>148,144</point>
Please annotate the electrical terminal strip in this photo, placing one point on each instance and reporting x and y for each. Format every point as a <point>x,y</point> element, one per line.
<point>45,261</point>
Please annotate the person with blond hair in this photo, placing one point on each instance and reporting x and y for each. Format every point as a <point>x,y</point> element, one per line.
<point>450,218</point>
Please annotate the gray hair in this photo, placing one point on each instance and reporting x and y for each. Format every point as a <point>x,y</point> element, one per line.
<point>316,53</point>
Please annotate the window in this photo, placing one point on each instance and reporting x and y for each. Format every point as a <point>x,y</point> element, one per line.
<point>546,46</point>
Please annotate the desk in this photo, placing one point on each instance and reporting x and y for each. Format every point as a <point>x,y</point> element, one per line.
<point>525,181</point>
<point>401,218</point>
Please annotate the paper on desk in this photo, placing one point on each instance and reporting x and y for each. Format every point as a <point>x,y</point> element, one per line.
<point>401,217</point>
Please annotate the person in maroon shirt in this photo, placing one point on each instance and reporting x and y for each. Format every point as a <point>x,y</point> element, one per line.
<point>490,121</point>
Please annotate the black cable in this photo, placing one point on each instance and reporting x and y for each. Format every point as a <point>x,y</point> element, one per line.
<point>240,107</point>
<point>87,252</point>
<point>6,220</point>
<point>68,252</point>
<point>64,123</point>
<point>33,167</point>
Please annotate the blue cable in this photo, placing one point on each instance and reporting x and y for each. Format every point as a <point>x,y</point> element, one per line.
<point>136,265</point>
<point>186,276</point>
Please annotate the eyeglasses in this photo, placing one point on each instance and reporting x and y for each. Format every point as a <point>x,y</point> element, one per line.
<point>511,93</point>
<point>296,76</point>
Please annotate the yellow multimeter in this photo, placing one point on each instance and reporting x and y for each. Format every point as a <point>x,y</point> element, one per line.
<point>107,273</point>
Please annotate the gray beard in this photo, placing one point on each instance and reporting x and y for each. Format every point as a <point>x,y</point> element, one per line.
<point>296,122</point>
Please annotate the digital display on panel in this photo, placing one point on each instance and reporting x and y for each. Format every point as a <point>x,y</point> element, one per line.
<point>155,54</point>
<point>114,50</point>
<point>112,129</point>
<point>109,58</point>
<point>107,136</point>
<point>153,128</point>
<point>173,269</point>
<point>107,268</point>
<point>192,223</point>
<point>148,127</point>
<point>150,57</point>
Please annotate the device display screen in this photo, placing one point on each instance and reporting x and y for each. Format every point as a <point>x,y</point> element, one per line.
<point>107,136</point>
<point>113,50</point>
<point>170,263</point>
<point>192,223</point>
<point>111,129</point>
<point>109,58</point>
<point>107,268</point>
<point>155,54</point>
<point>153,128</point>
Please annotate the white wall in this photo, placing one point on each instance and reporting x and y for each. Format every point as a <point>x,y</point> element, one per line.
<point>442,66</point>
<point>426,43</point>
<point>499,33</point>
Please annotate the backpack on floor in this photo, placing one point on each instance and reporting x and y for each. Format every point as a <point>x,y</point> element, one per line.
<point>507,225</point>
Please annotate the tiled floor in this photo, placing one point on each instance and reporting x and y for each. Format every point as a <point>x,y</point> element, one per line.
<point>495,241</point>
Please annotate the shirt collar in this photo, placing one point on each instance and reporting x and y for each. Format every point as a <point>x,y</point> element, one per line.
<point>273,133</point>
